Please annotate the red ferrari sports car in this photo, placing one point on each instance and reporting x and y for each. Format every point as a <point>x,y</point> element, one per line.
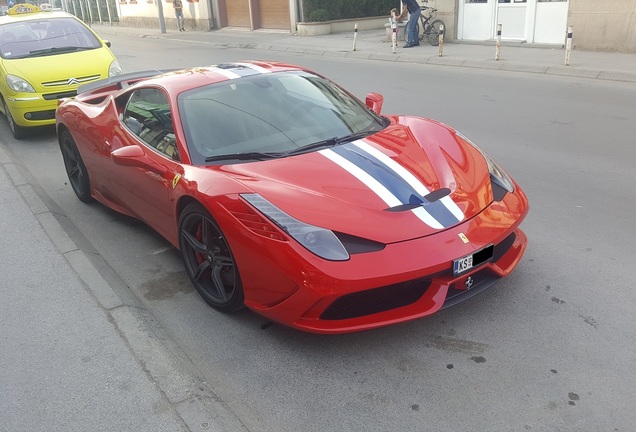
<point>286,194</point>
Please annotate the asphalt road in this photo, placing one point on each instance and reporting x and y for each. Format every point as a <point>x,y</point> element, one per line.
<point>551,348</point>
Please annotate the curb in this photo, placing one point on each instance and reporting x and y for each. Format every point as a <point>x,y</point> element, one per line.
<point>192,400</point>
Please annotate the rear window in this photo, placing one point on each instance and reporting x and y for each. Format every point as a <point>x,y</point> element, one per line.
<point>48,36</point>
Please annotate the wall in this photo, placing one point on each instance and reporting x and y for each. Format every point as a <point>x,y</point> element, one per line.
<point>340,26</point>
<point>607,25</point>
<point>447,12</point>
<point>145,14</point>
<point>198,16</point>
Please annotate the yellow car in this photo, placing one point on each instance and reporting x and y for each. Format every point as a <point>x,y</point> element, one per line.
<point>45,56</point>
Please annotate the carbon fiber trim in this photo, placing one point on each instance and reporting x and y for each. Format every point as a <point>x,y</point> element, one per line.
<point>376,300</point>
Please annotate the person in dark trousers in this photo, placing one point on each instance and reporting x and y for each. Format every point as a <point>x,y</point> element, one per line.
<point>178,11</point>
<point>413,9</point>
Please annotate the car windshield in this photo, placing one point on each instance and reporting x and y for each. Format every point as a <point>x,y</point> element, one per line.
<point>43,37</point>
<point>271,115</point>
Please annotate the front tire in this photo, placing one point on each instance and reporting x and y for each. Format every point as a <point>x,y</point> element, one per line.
<point>208,259</point>
<point>75,168</point>
<point>18,132</point>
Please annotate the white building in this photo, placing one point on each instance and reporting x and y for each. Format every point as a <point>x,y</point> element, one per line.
<point>597,24</point>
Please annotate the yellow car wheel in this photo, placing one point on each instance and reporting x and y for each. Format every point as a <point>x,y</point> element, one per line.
<point>18,131</point>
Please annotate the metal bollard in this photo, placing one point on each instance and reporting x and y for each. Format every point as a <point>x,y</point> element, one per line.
<point>441,40</point>
<point>394,35</point>
<point>498,44</point>
<point>355,36</point>
<point>568,46</point>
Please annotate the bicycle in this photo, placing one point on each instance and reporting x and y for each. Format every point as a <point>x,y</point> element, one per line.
<point>429,25</point>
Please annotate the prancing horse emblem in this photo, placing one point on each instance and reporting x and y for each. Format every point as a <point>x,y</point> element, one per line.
<point>469,282</point>
<point>72,81</point>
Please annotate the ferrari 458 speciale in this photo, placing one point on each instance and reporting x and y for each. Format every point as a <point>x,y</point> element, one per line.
<point>286,194</point>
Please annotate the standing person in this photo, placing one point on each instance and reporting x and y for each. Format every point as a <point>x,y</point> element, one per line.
<point>413,9</point>
<point>178,11</point>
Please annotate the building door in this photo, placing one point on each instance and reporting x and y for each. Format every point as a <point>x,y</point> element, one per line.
<point>238,13</point>
<point>274,14</point>
<point>534,21</point>
<point>511,14</point>
<point>257,14</point>
<point>551,22</point>
<point>475,19</point>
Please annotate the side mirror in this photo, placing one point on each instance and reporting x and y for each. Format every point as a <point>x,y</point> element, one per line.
<point>134,156</point>
<point>107,43</point>
<point>374,101</point>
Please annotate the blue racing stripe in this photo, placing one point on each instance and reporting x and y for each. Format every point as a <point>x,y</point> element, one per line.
<point>394,183</point>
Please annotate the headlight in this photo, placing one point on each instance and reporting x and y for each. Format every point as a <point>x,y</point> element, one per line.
<point>19,85</point>
<point>114,69</point>
<point>497,174</point>
<point>319,241</point>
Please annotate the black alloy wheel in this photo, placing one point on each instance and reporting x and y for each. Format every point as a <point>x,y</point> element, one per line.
<point>75,168</point>
<point>208,259</point>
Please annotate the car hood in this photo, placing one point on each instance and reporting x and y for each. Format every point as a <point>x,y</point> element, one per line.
<point>376,188</point>
<point>56,70</point>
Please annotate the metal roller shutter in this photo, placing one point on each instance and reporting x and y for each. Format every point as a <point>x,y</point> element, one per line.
<point>274,14</point>
<point>238,13</point>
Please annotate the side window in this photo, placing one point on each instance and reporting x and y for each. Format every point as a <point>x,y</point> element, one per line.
<point>147,115</point>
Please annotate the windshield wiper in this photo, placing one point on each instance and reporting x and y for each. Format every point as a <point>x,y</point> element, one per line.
<point>317,145</point>
<point>331,142</point>
<point>244,156</point>
<point>306,149</point>
<point>356,136</point>
<point>58,50</point>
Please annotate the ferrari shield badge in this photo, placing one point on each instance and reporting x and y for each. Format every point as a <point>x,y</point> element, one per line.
<point>463,237</point>
<point>175,180</point>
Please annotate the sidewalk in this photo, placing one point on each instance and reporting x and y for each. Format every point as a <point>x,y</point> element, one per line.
<point>73,356</point>
<point>372,45</point>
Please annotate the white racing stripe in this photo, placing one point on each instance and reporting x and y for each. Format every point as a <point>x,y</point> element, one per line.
<point>226,73</point>
<point>257,68</point>
<point>383,192</point>
<point>409,178</point>
<point>365,178</point>
<point>427,218</point>
<point>377,187</point>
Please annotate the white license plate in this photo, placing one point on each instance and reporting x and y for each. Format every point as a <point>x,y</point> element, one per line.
<point>462,264</point>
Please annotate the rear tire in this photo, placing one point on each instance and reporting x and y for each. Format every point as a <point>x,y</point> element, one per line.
<point>75,168</point>
<point>433,32</point>
<point>18,131</point>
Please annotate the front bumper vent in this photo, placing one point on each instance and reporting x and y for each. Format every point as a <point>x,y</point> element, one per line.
<point>55,96</point>
<point>376,300</point>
